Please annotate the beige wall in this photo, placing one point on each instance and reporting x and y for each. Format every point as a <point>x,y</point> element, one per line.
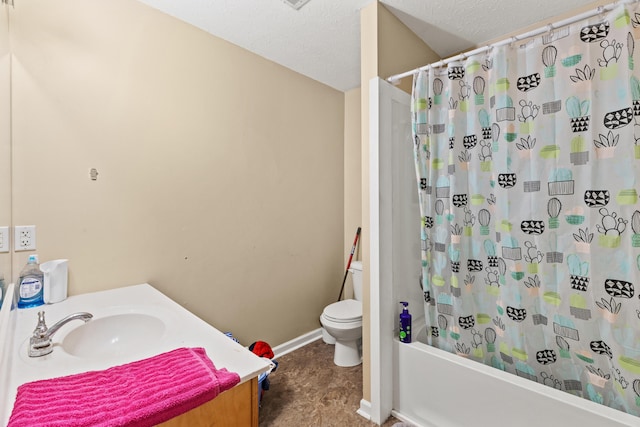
<point>220,173</point>
<point>368,70</point>
<point>352,178</point>
<point>387,47</point>
<point>537,25</point>
<point>5,139</point>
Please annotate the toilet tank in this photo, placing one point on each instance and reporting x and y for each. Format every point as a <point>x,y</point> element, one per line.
<point>356,275</point>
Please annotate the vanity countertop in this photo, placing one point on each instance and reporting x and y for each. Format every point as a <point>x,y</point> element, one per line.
<point>182,329</point>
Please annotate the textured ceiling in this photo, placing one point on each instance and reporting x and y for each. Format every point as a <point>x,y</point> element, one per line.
<point>322,39</point>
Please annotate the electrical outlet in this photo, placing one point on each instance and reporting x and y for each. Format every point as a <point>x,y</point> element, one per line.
<point>4,239</point>
<point>25,237</point>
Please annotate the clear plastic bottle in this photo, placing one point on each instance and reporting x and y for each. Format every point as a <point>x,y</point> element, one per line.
<point>31,284</point>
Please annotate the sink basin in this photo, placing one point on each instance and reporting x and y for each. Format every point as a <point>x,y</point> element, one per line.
<point>114,335</point>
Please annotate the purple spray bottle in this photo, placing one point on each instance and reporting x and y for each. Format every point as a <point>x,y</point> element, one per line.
<point>405,323</point>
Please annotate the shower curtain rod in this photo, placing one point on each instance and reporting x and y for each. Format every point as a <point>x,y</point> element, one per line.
<point>547,28</point>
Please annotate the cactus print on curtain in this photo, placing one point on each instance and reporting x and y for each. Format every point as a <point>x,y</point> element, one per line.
<point>528,166</point>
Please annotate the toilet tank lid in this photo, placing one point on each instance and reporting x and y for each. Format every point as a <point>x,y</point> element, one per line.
<point>356,265</point>
<point>348,309</point>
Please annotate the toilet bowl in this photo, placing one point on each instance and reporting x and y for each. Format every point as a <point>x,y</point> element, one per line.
<point>342,320</point>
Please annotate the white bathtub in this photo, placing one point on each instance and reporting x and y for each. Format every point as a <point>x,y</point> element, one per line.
<point>434,388</point>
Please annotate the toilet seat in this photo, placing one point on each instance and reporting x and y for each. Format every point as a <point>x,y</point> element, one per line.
<point>346,311</point>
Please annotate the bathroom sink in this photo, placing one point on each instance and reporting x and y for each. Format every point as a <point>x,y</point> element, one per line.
<point>114,335</point>
<point>129,324</point>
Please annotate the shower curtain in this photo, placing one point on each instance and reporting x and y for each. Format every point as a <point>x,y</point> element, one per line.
<point>527,160</point>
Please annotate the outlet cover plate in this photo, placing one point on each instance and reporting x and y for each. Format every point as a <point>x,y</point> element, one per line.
<point>24,238</point>
<point>4,239</point>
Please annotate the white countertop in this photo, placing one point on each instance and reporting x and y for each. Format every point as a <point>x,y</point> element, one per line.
<point>183,329</point>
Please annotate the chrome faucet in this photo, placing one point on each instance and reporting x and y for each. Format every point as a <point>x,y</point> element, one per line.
<point>40,342</point>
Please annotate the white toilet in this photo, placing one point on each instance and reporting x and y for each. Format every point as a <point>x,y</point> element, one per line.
<point>342,320</point>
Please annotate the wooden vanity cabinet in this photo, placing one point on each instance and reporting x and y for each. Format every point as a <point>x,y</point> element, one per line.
<point>236,407</point>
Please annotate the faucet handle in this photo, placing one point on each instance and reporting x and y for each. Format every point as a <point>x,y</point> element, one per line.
<point>41,327</point>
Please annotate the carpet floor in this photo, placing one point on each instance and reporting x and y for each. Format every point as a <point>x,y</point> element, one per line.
<point>308,390</point>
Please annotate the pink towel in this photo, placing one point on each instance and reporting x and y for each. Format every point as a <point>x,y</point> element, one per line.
<point>142,393</point>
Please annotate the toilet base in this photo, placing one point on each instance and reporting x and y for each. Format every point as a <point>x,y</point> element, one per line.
<point>327,338</point>
<point>347,354</point>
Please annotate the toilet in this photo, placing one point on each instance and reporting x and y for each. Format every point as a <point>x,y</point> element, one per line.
<point>342,321</point>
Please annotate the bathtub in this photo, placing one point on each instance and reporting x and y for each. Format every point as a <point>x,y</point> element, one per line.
<point>434,388</point>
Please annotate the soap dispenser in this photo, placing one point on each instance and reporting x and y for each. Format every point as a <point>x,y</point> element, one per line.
<point>405,323</point>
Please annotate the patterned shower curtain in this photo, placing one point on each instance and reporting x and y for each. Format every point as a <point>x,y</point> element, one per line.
<point>528,161</point>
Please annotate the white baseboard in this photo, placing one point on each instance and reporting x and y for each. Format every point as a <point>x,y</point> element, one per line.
<point>365,409</point>
<point>406,419</point>
<point>296,343</point>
